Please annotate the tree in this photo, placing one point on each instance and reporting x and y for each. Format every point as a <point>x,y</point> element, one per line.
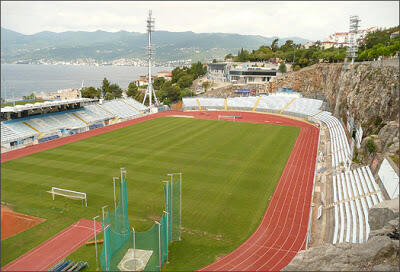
<point>274,45</point>
<point>185,81</point>
<point>158,82</point>
<point>115,90</point>
<point>105,87</point>
<point>132,90</point>
<point>229,56</point>
<point>282,68</point>
<point>90,92</point>
<point>214,61</point>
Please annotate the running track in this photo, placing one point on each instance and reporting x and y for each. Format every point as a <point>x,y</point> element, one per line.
<point>283,229</point>
<point>49,253</point>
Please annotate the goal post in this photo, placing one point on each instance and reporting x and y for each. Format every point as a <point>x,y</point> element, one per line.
<point>68,193</point>
<point>227,117</point>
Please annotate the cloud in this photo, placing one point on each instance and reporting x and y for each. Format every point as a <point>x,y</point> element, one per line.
<point>307,19</point>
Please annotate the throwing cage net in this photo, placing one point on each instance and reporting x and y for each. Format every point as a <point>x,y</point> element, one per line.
<point>119,238</point>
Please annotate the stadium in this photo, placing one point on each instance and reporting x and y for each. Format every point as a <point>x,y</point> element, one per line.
<point>248,168</point>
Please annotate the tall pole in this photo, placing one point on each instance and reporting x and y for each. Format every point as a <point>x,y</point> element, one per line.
<point>115,196</point>
<point>105,237</point>
<point>180,207</point>
<point>159,243</point>
<point>172,203</point>
<point>134,248</point>
<point>95,241</point>
<point>150,90</point>
<point>167,235</point>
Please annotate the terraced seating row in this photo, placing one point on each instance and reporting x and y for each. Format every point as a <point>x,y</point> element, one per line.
<point>354,192</point>
<point>119,108</point>
<point>9,135</point>
<point>89,115</point>
<point>340,148</point>
<point>135,104</point>
<point>272,103</point>
<point>304,106</point>
<point>93,114</point>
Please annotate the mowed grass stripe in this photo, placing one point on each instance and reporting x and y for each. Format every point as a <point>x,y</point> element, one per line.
<point>230,172</point>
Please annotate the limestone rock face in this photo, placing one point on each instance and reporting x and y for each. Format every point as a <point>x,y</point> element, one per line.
<point>379,253</point>
<point>370,93</point>
<point>380,214</point>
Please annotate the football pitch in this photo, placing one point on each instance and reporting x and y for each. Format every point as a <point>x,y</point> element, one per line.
<point>230,170</point>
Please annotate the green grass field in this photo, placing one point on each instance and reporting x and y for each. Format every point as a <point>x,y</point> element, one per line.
<point>230,170</point>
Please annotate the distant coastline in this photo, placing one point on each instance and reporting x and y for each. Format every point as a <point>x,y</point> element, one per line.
<point>18,80</point>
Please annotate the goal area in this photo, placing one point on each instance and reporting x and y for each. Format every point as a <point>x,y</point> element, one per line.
<point>69,194</point>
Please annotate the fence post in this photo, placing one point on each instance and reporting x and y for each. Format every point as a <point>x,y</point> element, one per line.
<point>134,248</point>
<point>159,243</point>
<point>95,242</point>
<point>180,208</point>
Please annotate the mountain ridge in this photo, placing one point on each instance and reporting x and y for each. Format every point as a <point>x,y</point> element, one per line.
<point>104,45</point>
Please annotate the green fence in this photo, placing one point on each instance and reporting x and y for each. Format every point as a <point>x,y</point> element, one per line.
<point>119,236</point>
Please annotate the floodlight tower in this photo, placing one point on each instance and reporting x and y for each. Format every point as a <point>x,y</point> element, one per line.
<point>150,90</point>
<point>352,48</point>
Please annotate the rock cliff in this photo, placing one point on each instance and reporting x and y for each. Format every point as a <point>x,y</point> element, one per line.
<point>369,93</point>
<point>379,253</point>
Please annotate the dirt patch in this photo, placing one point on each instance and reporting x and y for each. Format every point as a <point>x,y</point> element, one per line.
<point>13,223</point>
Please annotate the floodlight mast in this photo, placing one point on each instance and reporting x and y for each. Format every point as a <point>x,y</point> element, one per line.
<point>150,90</point>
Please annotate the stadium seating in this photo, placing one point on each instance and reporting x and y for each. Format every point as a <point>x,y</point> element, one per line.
<point>340,148</point>
<point>304,106</point>
<point>9,135</point>
<point>189,103</point>
<point>352,194</point>
<point>119,108</point>
<point>93,114</point>
<point>272,103</point>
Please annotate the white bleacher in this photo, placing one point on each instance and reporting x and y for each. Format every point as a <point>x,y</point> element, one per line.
<point>120,109</point>
<point>212,103</point>
<point>358,206</point>
<point>352,207</point>
<point>358,189</point>
<point>340,148</point>
<point>20,128</point>
<point>246,103</point>
<point>53,122</point>
<point>137,105</point>
<point>273,102</point>
<point>9,135</point>
<point>335,199</point>
<point>189,103</point>
<point>304,106</point>
<point>93,114</point>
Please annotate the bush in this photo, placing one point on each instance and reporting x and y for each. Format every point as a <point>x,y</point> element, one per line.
<point>371,146</point>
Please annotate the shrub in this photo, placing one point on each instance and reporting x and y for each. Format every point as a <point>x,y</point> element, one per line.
<point>371,146</point>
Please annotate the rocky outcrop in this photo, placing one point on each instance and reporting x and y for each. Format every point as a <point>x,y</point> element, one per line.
<point>382,213</point>
<point>379,253</point>
<point>368,92</point>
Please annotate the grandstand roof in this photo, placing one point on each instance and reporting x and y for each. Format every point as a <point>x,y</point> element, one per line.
<point>45,104</point>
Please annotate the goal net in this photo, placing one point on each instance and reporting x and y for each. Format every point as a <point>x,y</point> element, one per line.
<point>227,117</point>
<point>68,193</point>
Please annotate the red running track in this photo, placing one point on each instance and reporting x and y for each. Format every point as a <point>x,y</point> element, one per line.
<point>283,229</point>
<point>49,253</point>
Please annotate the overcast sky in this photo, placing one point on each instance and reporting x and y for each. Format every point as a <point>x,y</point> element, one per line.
<point>307,19</point>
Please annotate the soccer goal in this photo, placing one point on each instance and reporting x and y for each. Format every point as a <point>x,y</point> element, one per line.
<point>227,117</point>
<point>68,193</point>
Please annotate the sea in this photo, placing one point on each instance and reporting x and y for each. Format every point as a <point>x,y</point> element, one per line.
<point>19,80</point>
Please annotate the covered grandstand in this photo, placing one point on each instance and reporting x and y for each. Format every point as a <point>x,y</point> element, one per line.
<point>29,124</point>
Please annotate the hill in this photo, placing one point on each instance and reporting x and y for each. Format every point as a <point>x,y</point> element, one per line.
<point>105,46</point>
